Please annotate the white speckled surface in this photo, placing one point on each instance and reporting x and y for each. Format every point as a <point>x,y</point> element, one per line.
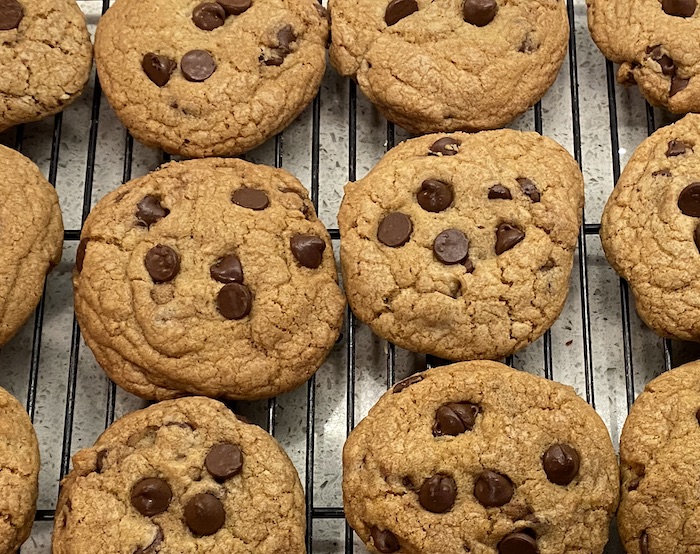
<point>331,408</point>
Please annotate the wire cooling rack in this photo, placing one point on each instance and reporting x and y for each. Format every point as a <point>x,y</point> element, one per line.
<point>599,346</point>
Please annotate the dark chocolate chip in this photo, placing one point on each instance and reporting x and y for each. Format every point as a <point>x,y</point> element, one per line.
<point>435,196</point>
<point>677,148</point>
<point>384,541</point>
<point>469,266</point>
<point>403,385</point>
<point>455,418</point>
<point>446,146</point>
<point>661,173</point>
<point>668,68</point>
<point>479,12</point>
<point>162,263</point>
<point>679,8</point>
<point>155,543</point>
<point>395,229</point>
<point>678,84</point>
<point>633,485</point>
<point>507,236</point>
<point>158,68</point>
<point>689,200</point>
<point>204,514</point>
<point>308,250</point>
<point>150,210</point>
<point>235,7</point>
<point>398,9</point>
<point>197,65</point>
<point>276,57</point>
<point>208,16</point>
<point>697,416</point>
<point>11,14</point>
<point>285,37</point>
<point>529,188</point>
<point>451,247</point>
<point>224,460</point>
<point>644,543</point>
<point>517,543</point>
<point>492,489</point>
<point>438,494</point>
<point>696,236</point>
<point>561,463</point>
<point>252,199</point>
<point>151,496</point>
<point>234,301</point>
<point>227,270</point>
<point>80,254</point>
<point>499,192</point>
<point>100,460</point>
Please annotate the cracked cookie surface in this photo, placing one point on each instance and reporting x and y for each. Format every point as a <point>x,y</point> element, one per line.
<point>183,475</point>
<point>450,65</point>
<point>31,239</point>
<point>476,457</point>
<point>211,277</point>
<point>210,78</point>
<point>461,246</point>
<point>46,56</point>
<point>649,229</point>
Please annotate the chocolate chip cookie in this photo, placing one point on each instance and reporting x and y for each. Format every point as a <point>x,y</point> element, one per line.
<point>211,277</point>
<point>181,476</point>
<point>212,78</point>
<point>31,239</point>
<point>45,55</point>
<point>450,65</point>
<point>477,457</point>
<point>656,44</point>
<point>651,232</point>
<point>461,245</point>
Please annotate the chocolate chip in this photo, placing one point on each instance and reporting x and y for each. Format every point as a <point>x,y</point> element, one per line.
<point>438,494</point>
<point>155,543</point>
<point>276,57</point>
<point>285,37</point>
<point>308,250</point>
<point>197,65</point>
<point>162,263</point>
<point>403,385</point>
<point>384,541</point>
<point>689,200</point>
<point>252,199</point>
<point>644,543</point>
<point>151,496</point>
<point>661,173</point>
<point>529,188</point>
<point>208,16</point>
<point>479,12</point>
<point>455,418</point>
<point>451,247</point>
<point>234,301</point>
<point>224,460</point>
<point>499,192</point>
<point>697,416</point>
<point>507,236</point>
<point>99,460</point>
<point>446,146</point>
<point>679,8</point>
<point>435,196</point>
<point>398,9</point>
<point>469,266</point>
<point>158,68</point>
<point>204,514</point>
<point>668,68</point>
<point>235,7</point>
<point>227,270</point>
<point>561,463</point>
<point>395,229</point>
<point>633,485</point>
<point>696,236</point>
<point>11,14</point>
<point>150,210</point>
<point>492,489</point>
<point>678,84</point>
<point>80,254</point>
<point>517,543</point>
<point>677,148</point>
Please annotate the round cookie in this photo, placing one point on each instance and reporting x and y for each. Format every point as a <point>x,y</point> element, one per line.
<point>31,239</point>
<point>461,246</point>
<point>181,476</point>
<point>46,57</point>
<point>650,229</point>
<point>656,44</point>
<point>210,277</point>
<point>210,78</point>
<point>476,457</point>
<point>450,65</point>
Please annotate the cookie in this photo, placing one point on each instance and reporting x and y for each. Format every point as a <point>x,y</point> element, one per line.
<point>655,43</point>
<point>461,245</point>
<point>210,78</point>
<point>450,65</point>
<point>210,277</point>
<point>659,506</point>
<point>476,457</point>
<point>46,57</point>
<point>31,239</point>
<point>181,476</point>
<point>650,229</point>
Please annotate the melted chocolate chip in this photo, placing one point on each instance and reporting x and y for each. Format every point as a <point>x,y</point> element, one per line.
<point>492,489</point>
<point>197,65</point>
<point>155,543</point>
<point>438,494</point>
<point>234,301</point>
<point>435,196</point>
<point>517,543</point>
<point>679,8</point>
<point>529,189</point>
<point>689,200</point>
<point>446,146</point>
<point>499,192</point>
<point>224,460</point>
<point>285,37</point>
<point>208,16</point>
<point>235,7</point>
<point>151,496</point>
<point>150,211</point>
<point>308,250</point>
<point>162,263</point>
<point>561,463</point>
<point>395,230</point>
<point>158,68</point>
<point>507,236</point>
<point>403,385</point>
<point>451,247</point>
<point>227,270</point>
<point>479,12</point>
<point>204,514</point>
<point>398,9</point>
<point>455,418</point>
<point>253,199</point>
<point>80,254</point>
<point>644,543</point>
<point>678,84</point>
<point>384,541</point>
<point>11,14</point>
<point>677,148</point>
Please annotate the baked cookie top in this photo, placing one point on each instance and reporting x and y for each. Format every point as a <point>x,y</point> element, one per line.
<point>655,41</point>
<point>450,65</point>
<point>461,245</point>
<point>651,232</point>
<point>46,57</point>
<point>210,276</point>
<point>477,457</point>
<point>31,238</point>
<point>210,78</point>
<point>181,476</point>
